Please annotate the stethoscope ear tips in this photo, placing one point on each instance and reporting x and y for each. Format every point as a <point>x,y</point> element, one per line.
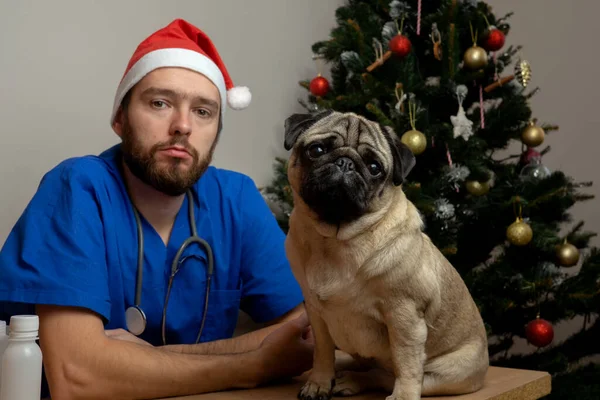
<point>135,320</point>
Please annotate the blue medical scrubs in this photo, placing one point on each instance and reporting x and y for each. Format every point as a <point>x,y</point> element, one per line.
<point>76,245</point>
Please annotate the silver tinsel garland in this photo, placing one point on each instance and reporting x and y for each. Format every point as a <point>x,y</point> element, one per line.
<point>443,209</point>
<point>397,8</point>
<point>457,173</point>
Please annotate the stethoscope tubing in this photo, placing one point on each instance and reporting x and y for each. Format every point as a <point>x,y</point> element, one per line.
<point>174,269</point>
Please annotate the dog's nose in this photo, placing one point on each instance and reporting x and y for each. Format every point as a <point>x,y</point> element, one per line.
<point>345,164</point>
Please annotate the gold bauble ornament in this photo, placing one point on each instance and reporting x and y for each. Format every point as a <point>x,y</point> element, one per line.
<point>477,188</point>
<point>475,57</point>
<point>519,233</point>
<point>567,254</point>
<point>533,135</point>
<point>415,141</point>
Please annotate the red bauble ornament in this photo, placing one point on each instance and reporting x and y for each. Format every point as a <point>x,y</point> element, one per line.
<point>539,332</point>
<point>494,40</point>
<point>529,155</point>
<point>400,45</point>
<point>319,86</point>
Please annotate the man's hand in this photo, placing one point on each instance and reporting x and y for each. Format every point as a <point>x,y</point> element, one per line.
<point>288,351</point>
<point>122,334</point>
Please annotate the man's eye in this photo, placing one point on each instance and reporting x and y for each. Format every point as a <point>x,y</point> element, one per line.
<point>158,104</point>
<point>203,112</point>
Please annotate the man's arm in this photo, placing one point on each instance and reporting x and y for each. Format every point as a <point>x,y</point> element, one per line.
<point>81,362</point>
<point>243,343</point>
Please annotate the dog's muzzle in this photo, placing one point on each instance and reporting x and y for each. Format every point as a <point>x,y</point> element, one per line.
<point>336,191</point>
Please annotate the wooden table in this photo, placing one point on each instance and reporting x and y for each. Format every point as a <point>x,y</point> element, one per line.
<point>500,384</point>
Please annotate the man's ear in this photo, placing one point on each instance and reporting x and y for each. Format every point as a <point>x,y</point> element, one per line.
<point>404,159</point>
<point>296,124</point>
<point>118,122</point>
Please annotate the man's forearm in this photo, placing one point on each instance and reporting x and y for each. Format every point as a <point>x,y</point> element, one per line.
<point>125,370</point>
<point>240,344</point>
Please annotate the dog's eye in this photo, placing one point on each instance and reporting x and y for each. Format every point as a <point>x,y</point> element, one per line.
<point>374,168</point>
<point>316,150</point>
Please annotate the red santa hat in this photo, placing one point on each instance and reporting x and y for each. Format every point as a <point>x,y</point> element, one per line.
<point>181,44</point>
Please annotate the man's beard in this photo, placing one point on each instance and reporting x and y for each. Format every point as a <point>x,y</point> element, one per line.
<point>168,179</point>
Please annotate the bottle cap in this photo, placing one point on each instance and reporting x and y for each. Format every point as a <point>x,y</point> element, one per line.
<point>24,324</point>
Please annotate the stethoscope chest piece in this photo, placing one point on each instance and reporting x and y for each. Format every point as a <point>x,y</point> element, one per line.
<point>135,319</point>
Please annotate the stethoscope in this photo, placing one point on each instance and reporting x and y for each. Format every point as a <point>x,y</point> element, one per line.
<point>135,317</point>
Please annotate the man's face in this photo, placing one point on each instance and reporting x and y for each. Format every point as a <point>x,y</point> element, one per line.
<point>169,128</point>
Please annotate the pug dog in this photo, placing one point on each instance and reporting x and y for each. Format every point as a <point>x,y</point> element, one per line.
<point>375,286</point>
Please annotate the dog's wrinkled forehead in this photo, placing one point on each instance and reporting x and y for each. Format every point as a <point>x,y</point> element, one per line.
<point>353,128</point>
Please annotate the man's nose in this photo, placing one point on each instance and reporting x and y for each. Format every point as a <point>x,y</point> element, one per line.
<point>181,124</point>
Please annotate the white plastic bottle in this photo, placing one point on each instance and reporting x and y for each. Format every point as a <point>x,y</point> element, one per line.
<point>3,343</point>
<point>22,360</point>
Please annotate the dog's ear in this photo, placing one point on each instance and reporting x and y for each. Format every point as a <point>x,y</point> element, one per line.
<point>404,159</point>
<point>298,123</point>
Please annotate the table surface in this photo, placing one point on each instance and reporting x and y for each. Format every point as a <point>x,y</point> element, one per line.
<point>500,384</point>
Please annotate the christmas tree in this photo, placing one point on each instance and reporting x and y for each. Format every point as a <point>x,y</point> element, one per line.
<point>439,73</point>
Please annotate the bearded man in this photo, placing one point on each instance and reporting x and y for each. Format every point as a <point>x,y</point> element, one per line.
<point>128,307</point>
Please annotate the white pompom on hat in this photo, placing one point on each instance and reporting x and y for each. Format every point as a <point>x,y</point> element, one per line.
<point>181,44</point>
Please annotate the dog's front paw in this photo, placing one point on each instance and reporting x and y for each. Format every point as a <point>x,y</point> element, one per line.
<point>404,395</point>
<point>349,383</point>
<point>312,390</point>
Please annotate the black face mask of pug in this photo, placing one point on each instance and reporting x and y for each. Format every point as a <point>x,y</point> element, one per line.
<point>374,285</point>
<point>343,172</point>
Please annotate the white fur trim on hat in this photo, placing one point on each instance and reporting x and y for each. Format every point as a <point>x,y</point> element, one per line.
<point>239,97</point>
<point>172,57</point>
